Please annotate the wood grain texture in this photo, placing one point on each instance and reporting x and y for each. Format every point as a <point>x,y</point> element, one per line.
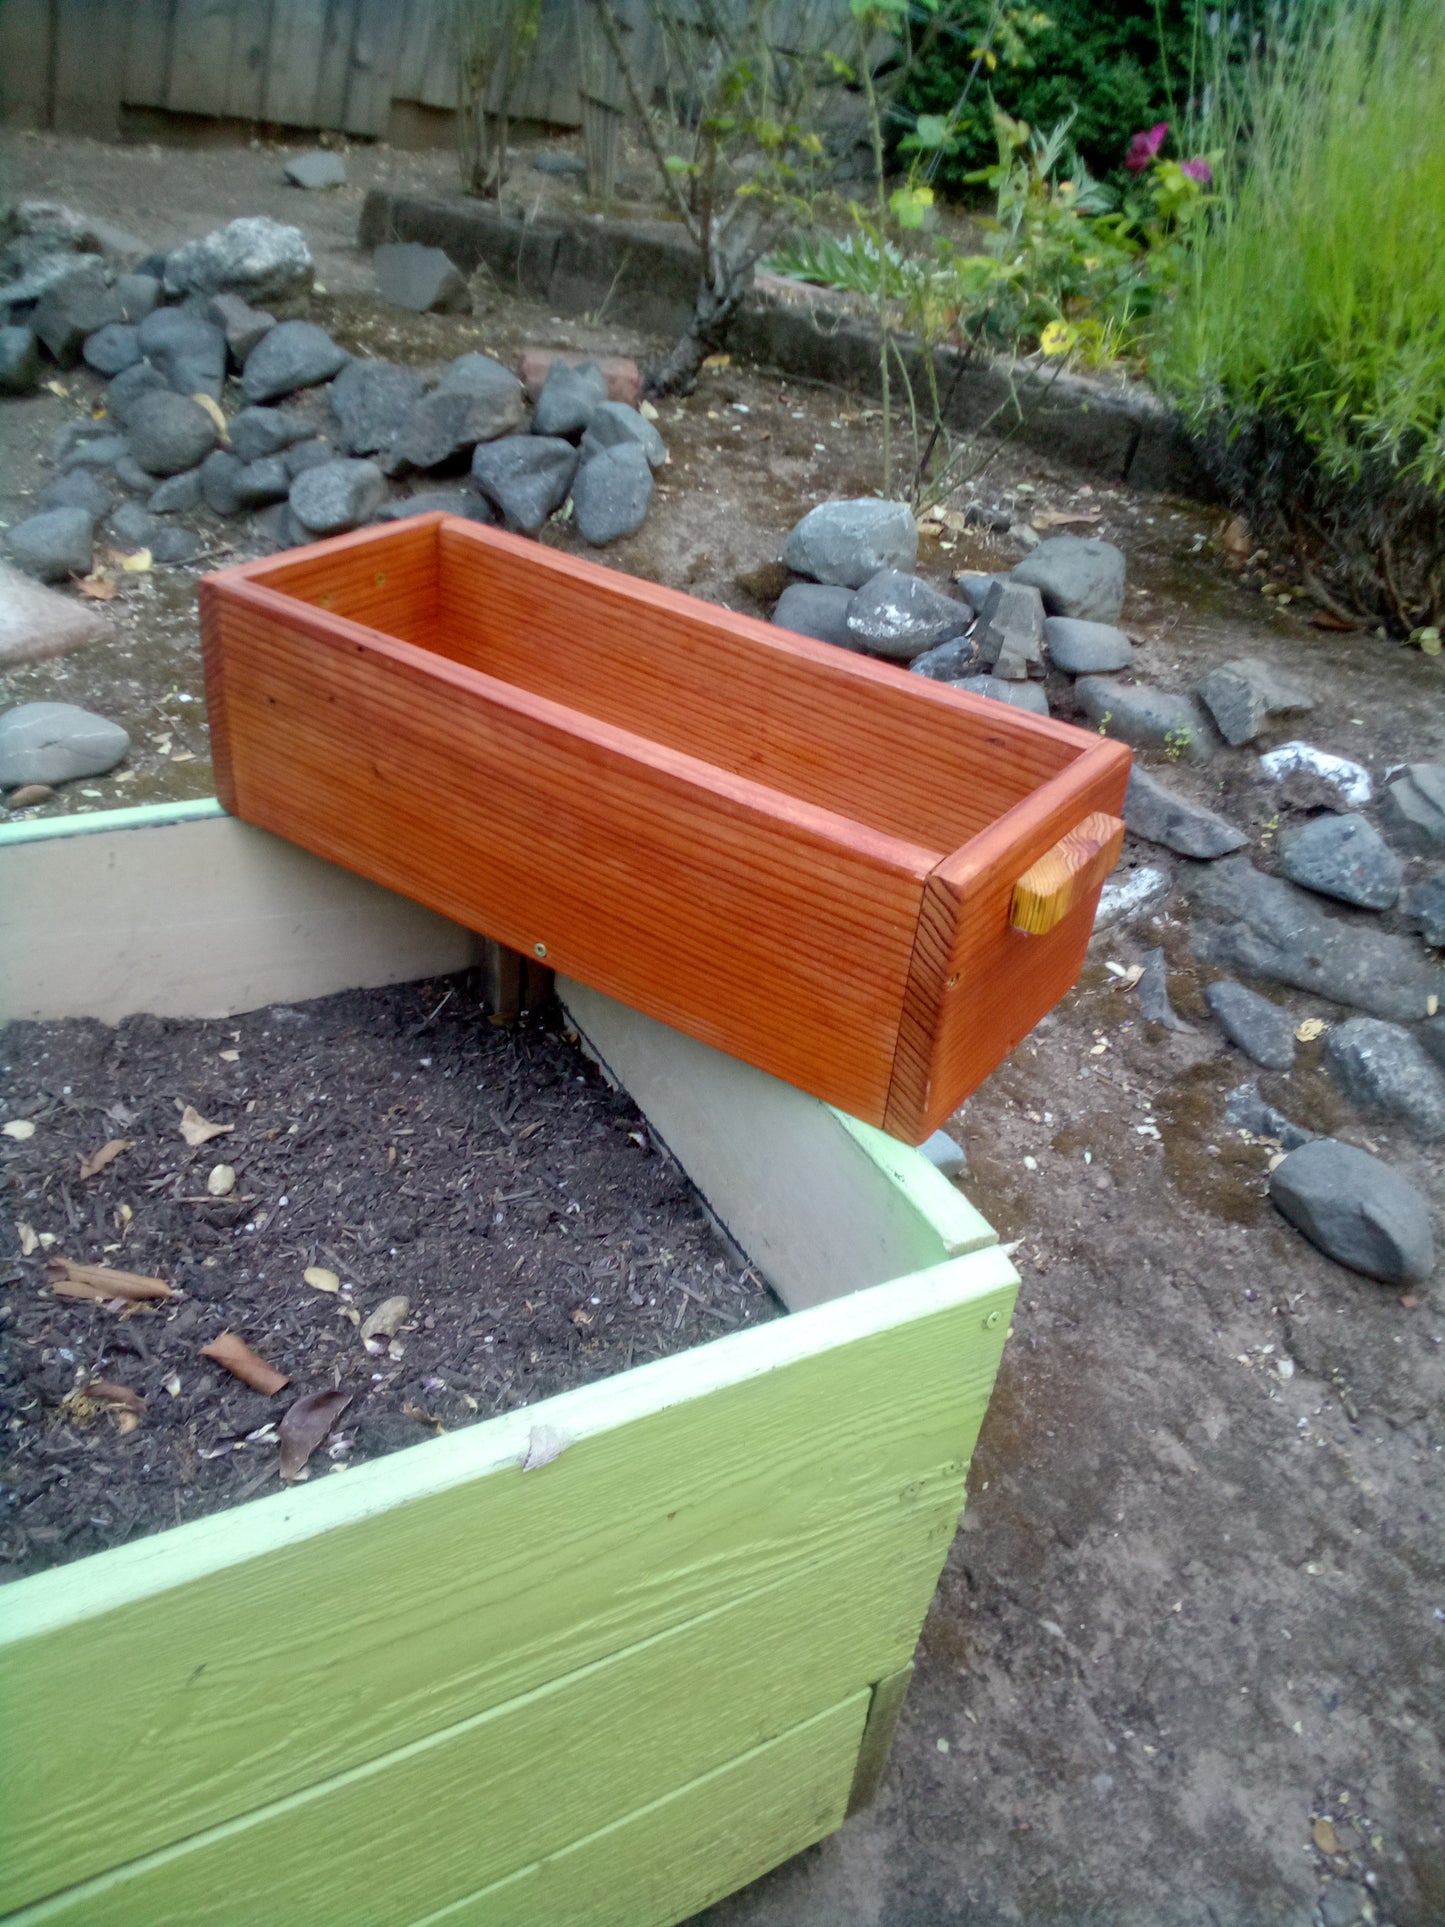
<point>404,1609</point>
<point>1080,860</point>
<point>728,826</point>
<point>977,987</point>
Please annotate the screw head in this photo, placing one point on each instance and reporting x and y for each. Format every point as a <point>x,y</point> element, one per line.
<point>992,1320</point>
<point>539,949</point>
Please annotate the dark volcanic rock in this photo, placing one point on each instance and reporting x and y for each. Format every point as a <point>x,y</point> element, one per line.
<point>1357,1209</point>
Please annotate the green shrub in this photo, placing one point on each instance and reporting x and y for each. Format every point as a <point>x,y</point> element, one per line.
<point>1315,299</point>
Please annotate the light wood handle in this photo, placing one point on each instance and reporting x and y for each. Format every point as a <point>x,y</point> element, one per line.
<point>1064,875</point>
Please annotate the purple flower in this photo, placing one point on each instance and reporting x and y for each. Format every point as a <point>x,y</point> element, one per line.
<point>1199,171</point>
<point>1145,146</point>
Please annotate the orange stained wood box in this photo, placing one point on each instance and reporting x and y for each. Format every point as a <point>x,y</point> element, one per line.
<point>863,881</point>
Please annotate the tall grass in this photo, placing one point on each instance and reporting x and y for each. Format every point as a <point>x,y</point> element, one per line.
<point>1315,301</point>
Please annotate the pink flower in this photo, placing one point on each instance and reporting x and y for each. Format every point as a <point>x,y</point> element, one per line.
<point>1199,171</point>
<point>1145,146</point>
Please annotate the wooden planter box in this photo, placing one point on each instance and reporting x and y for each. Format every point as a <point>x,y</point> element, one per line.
<point>860,880</point>
<point>602,1693</point>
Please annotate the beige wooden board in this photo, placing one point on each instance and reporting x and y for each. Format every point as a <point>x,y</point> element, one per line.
<point>821,1203</point>
<point>196,916</point>
<point>244,1659</point>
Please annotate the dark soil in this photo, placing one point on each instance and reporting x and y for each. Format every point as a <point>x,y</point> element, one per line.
<point>397,1139</point>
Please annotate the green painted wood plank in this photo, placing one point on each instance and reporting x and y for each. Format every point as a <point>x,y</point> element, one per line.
<point>884,1706</point>
<point>664,1863</point>
<point>373,1608</point>
<point>142,816</point>
<point>480,1801</point>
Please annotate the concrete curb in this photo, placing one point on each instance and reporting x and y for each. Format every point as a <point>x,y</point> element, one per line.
<point>644,274</point>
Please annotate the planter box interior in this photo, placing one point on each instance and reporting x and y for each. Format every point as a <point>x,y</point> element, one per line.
<point>601,1693</point>
<point>804,858</point>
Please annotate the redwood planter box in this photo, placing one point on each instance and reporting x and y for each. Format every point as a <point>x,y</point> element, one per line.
<point>867,883</point>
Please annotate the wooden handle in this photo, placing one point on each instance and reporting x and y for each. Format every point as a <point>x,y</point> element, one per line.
<point>1064,875</point>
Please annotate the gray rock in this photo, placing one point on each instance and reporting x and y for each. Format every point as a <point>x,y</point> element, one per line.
<point>131,476</point>
<point>1148,718</point>
<point>1127,892</point>
<point>73,308</point>
<point>526,477</point>
<point>167,433</point>
<point>1432,1038</point>
<point>261,483</point>
<point>1342,1904</point>
<point>1156,813</point>
<point>476,400</point>
<point>560,164</point>
<point>132,527</point>
<point>1424,906</point>
<point>1332,782</point>
<point>127,388</point>
<point>1357,1209</point>
<point>337,497</point>
<point>1246,1110</point>
<point>317,170</point>
<point>612,493</point>
<point>19,361</point>
<point>612,422</point>
<point>243,326</point>
<point>221,473</point>
<point>178,494</point>
<point>1343,857</point>
<point>899,616</point>
<point>187,351</point>
<point>257,258</point>
<point>258,432</point>
<point>276,528</point>
<point>461,500</point>
<point>420,279</point>
<point>112,349</point>
<point>1380,1067</point>
<point>1413,808</point>
<point>1153,994</point>
<point>55,743</point>
<point>371,400</point>
<point>1087,648</point>
<point>173,544</point>
<point>74,433</point>
<point>52,545</point>
<point>817,610</point>
<point>1253,1024</point>
<point>947,661</point>
<point>976,589</point>
<point>36,622</point>
<point>569,395</point>
<point>1010,633</point>
<point>1243,694</point>
<point>848,542</point>
<point>97,451</point>
<point>314,452</point>
<point>138,295</point>
<point>1022,695</point>
<point>1247,921</point>
<point>294,354</point>
<point>1077,575</point>
<point>79,488</point>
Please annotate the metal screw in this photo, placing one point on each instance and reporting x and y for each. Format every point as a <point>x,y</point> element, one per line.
<point>992,1320</point>
<point>539,949</point>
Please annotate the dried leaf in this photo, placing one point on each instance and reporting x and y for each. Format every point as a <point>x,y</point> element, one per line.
<point>29,1243</point>
<point>717,361</point>
<point>28,795</point>
<point>544,1443</point>
<point>647,411</point>
<point>126,1421</point>
<point>69,1280</point>
<point>222,1181</point>
<point>106,1392</point>
<point>320,1279</point>
<point>386,1320</point>
<point>230,1056</point>
<point>172,1384</point>
<point>1310,1029</point>
<point>99,586</point>
<point>1064,518</point>
<point>195,1130</point>
<point>56,388</point>
<point>19,1128</point>
<point>1235,539</point>
<point>580,1317</point>
<point>304,1427</point>
<point>238,1358</point>
<point>139,563</point>
<point>1327,619</point>
<point>107,1154</point>
<point>1325,1837</point>
<point>213,409</point>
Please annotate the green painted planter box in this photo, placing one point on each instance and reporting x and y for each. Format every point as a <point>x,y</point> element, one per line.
<point>441,1688</point>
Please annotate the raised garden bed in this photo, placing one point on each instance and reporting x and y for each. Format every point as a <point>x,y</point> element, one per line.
<point>606,1689</point>
<point>805,858</point>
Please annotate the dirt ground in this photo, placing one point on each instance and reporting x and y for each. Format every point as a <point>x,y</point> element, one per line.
<point>1184,1665</point>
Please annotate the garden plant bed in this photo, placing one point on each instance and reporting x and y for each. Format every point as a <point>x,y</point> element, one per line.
<point>393,1140</point>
